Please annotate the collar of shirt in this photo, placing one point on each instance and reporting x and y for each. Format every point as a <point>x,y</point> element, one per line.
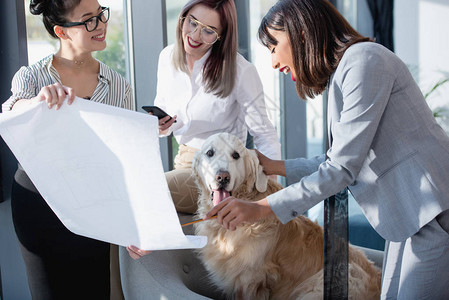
<point>197,70</point>
<point>99,95</point>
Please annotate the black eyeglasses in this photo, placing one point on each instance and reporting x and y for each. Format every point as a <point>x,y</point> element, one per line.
<point>92,23</point>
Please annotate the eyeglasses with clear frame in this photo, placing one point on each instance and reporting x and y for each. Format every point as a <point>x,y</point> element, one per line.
<point>208,34</point>
<point>92,23</point>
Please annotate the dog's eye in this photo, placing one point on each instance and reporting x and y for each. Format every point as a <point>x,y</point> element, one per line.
<point>210,153</point>
<point>235,155</point>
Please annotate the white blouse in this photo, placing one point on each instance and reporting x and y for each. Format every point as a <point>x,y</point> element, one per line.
<point>202,114</point>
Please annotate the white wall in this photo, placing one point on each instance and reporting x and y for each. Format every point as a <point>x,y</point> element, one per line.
<point>422,32</point>
<point>422,41</point>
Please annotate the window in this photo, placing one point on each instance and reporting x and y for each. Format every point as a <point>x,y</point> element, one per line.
<point>261,58</point>
<point>39,42</point>
<point>114,54</point>
<point>173,8</point>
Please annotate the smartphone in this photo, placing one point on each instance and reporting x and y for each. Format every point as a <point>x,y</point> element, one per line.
<point>158,112</point>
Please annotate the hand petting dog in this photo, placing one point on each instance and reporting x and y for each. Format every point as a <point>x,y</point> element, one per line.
<point>232,212</point>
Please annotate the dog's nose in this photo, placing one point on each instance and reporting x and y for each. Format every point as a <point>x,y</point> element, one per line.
<point>222,178</point>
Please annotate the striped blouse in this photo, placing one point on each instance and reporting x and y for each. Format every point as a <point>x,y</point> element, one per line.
<point>112,88</point>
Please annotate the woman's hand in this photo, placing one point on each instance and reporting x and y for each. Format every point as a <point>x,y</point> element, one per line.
<point>270,166</point>
<point>165,123</point>
<point>232,212</point>
<point>53,94</point>
<point>136,253</point>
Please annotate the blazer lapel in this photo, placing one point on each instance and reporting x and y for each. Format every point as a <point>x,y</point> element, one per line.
<point>328,115</point>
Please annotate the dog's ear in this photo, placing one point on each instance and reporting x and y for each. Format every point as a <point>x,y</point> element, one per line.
<point>255,175</point>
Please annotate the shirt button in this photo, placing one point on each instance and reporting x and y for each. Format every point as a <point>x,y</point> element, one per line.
<point>294,213</point>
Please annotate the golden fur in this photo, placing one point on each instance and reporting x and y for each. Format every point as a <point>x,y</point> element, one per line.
<point>268,259</point>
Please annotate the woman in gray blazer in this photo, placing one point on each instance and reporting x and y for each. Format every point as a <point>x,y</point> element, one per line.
<point>385,145</point>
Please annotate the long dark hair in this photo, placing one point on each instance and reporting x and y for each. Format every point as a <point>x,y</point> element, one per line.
<point>54,12</point>
<point>220,67</point>
<point>319,36</point>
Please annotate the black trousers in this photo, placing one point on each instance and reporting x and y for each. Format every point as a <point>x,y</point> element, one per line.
<point>59,263</point>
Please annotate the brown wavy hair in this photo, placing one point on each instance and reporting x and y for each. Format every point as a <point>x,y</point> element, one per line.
<point>319,36</point>
<point>220,67</point>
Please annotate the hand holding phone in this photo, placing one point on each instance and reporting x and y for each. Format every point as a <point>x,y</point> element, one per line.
<point>156,111</point>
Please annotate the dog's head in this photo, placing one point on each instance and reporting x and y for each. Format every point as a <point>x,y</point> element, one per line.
<point>224,165</point>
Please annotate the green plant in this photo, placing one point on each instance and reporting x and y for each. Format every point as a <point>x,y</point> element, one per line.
<point>114,54</point>
<point>437,112</point>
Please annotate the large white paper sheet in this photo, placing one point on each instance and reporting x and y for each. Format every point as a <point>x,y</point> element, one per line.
<point>99,169</point>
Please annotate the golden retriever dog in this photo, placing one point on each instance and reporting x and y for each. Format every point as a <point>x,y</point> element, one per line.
<point>265,260</point>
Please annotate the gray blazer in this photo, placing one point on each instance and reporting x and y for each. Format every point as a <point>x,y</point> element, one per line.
<point>385,146</point>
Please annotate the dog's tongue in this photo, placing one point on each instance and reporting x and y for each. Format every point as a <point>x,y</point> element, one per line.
<point>219,195</point>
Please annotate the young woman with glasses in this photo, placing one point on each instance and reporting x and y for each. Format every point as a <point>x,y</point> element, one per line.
<point>60,264</point>
<point>208,87</point>
<point>385,145</point>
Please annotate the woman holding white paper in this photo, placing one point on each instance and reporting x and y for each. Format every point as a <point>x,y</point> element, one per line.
<point>60,264</point>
